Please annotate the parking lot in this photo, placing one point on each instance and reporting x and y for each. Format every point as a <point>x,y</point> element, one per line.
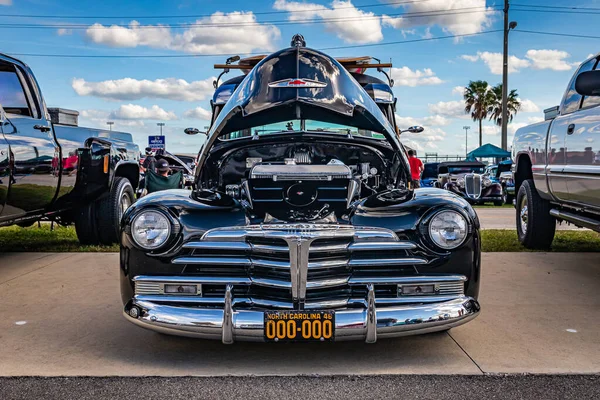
<point>62,317</point>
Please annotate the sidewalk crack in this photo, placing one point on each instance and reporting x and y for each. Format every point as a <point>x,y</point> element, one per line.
<point>467,354</point>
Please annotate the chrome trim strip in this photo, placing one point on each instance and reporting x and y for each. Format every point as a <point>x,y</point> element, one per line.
<point>273,283</point>
<point>325,283</point>
<point>239,261</point>
<point>227,336</point>
<point>275,264</point>
<point>194,279</point>
<point>387,261</point>
<point>328,263</point>
<point>239,246</point>
<point>371,315</point>
<point>269,248</point>
<point>407,279</point>
<point>329,247</point>
<point>382,246</point>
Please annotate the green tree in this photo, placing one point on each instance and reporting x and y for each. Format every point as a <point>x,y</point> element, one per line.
<point>478,98</point>
<point>513,105</point>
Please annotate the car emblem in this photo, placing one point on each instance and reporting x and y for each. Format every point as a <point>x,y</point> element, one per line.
<point>297,83</point>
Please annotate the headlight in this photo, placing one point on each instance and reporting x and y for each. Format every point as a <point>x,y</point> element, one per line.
<point>150,229</point>
<point>448,229</point>
<point>460,182</point>
<point>486,181</point>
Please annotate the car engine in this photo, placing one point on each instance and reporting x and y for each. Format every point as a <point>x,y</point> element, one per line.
<point>304,187</point>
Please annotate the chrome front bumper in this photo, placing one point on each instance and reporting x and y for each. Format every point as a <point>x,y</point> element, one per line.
<point>367,324</point>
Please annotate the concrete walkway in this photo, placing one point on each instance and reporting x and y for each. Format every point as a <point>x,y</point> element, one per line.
<point>61,315</point>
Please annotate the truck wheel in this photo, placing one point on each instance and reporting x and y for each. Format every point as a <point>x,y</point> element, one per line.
<point>85,225</point>
<point>499,203</point>
<point>535,225</point>
<point>110,209</point>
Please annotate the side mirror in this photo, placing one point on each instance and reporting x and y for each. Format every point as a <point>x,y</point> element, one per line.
<point>193,131</point>
<point>588,83</point>
<point>414,129</point>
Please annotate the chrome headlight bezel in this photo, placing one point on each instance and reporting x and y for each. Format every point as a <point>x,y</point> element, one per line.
<point>486,181</point>
<point>169,224</point>
<point>460,182</point>
<point>428,225</point>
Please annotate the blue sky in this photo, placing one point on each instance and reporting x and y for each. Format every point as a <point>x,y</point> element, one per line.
<point>137,93</point>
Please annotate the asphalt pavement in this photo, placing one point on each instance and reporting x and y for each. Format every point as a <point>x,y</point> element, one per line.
<point>557,387</point>
<point>61,316</point>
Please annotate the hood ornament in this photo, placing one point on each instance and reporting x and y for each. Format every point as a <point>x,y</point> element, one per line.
<point>298,41</point>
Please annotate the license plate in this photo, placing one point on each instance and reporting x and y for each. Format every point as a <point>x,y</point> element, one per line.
<point>304,326</point>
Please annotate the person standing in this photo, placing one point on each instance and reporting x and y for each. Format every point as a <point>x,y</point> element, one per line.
<point>416,169</point>
<point>149,161</point>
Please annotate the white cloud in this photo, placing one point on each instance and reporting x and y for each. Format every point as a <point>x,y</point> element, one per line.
<point>536,59</point>
<point>429,138</point>
<point>528,106</point>
<point>456,24</point>
<point>237,32</point>
<point>549,59</point>
<point>512,127</point>
<point>427,34</point>
<point>134,89</point>
<point>458,90</point>
<point>407,77</point>
<point>494,62</point>
<point>490,130</point>
<point>534,120</point>
<point>100,117</point>
<point>134,111</point>
<point>455,108</point>
<point>347,22</point>
<point>198,113</point>
<point>64,32</point>
<point>392,22</point>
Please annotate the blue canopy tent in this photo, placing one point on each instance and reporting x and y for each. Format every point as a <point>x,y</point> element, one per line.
<point>488,151</point>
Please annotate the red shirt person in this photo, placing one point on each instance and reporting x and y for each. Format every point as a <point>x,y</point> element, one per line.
<point>416,169</point>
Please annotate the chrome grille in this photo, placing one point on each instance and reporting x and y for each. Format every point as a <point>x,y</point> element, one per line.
<point>473,186</point>
<point>305,265</point>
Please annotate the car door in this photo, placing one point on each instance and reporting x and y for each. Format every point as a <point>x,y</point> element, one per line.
<point>583,152</point>
<point>33,152</point>
<point>556,146</point>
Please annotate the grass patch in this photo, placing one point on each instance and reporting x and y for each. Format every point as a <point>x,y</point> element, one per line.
<point>490,205</point>
<point>34,238</point>
<point>64,239</point>
<point>495,240</point>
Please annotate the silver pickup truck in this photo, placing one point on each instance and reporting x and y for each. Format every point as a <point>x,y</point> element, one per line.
<point>51,169</point>
<point>557,163</point>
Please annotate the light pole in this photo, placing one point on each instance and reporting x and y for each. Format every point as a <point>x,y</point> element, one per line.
<point>110,124</point>
<point>160,124</point>
<point>507,28</point>
<point>466,128</point>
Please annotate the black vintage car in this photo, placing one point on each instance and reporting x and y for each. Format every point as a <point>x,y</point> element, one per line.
<point>468,180</point>
<point>301,225</point>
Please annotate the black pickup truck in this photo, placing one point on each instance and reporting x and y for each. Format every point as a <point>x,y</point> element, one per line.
<point>51,169</point>
<point>557,163</point>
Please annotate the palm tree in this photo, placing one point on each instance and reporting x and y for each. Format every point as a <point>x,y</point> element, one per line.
<point>478,98</point>
<point>513,105</point>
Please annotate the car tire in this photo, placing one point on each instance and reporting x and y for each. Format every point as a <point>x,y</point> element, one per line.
<point>85,225</point>
<point>499,203</point>
<point>110,209</point>
<point>509,199</point>
<point>535,225</point>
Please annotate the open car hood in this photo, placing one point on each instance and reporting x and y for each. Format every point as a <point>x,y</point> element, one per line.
<point>300,83</point>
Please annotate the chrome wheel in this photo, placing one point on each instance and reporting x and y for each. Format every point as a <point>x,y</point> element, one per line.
<point>523,214</point>
<point>124,205</point>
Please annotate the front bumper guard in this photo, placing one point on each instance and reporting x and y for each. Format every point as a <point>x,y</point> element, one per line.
<point>368,324</point>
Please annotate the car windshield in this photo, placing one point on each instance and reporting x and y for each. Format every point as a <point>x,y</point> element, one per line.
<point>465,170</point>
<point>430,171</point>
<point>305,125</point>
